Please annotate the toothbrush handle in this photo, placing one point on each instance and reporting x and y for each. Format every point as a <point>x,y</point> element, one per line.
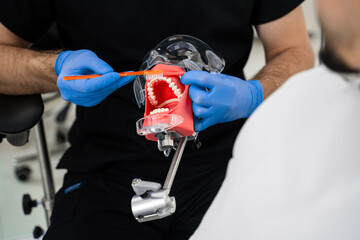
<point>81,77</point>
<point>122,74</point>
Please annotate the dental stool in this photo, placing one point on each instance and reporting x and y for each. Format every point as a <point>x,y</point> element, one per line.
<point>19,114</point>
<point>62,118</point>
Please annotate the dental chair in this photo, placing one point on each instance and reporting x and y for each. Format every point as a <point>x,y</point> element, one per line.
<point>18,115</point>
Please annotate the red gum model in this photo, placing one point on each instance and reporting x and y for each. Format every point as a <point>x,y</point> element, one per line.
<point>167,95</point>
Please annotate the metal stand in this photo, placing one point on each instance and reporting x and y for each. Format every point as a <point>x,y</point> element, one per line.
<point>151,202</point>
<point>47,180</point>
<point>45,169</point>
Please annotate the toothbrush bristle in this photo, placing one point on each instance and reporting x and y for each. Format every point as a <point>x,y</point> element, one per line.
<point>153,76</point>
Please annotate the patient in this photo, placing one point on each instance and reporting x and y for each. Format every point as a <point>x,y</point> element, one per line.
<point>296,172</point>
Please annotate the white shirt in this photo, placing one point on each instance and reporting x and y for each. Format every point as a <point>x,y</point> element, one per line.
<point>296,167</point>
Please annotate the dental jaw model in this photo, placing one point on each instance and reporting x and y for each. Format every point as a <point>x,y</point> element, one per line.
<point>168,117</point>
<point>168,108</point>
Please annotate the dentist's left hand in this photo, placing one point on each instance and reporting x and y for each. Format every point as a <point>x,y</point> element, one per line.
<point>86,92</point>
<point>219,98</point>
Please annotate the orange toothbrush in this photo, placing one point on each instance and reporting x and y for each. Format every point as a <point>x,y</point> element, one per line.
<point>122,74</point>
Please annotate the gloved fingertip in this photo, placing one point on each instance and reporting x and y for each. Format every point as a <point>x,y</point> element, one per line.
<point>183,80</point>
<point>125,80</point>
<point>130,78</point>
<point>186,78</point>
<point>200,78</point>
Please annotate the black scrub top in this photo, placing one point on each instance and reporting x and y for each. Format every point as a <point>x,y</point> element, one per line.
<point>121,32</point>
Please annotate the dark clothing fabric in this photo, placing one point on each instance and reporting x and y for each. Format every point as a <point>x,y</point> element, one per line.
<point>106,153</point>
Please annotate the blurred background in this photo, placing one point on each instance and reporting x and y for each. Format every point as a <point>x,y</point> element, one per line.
<point>19,168</point>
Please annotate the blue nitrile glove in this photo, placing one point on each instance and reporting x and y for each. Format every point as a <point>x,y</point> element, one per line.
<point>219,98</point>
<point>86,92</point>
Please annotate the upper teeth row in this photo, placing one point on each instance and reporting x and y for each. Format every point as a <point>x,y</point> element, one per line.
<point>159,110</point>
<point>172,85</point>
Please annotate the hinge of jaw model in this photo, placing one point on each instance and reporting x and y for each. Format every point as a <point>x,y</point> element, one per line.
<point>153,202</point>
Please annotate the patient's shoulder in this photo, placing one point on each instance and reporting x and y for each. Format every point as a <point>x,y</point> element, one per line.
<point>306,89</point>
<point>310,84</point>
<point>315,77</point>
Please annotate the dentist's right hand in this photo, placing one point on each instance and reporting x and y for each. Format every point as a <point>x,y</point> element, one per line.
<point>86,92</point>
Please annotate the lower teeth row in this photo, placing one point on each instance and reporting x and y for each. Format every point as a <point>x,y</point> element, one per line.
<point>159,110</point>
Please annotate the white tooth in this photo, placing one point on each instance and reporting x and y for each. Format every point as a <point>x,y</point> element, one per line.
<point>166,109</point>
<point>174,88</point>
<point>162,110</point>
<point>179,96</point>
<point>171,84</point>
<point>168,80</point>
<point>155,102</point>
<point>149,89</point>
<point>178,91</point>
<point>151,93</point>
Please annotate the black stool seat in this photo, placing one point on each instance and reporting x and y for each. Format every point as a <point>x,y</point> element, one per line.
<point>19,113</point>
